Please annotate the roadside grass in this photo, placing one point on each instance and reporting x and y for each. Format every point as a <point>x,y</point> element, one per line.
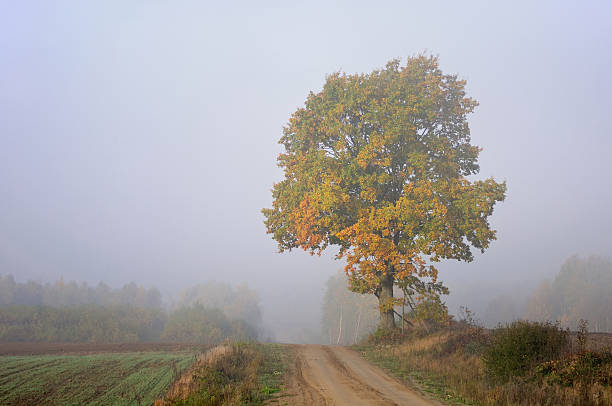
<point>448,366</point>
<point>245,374</point>
<point>274,369</point>
<point>451,379</point>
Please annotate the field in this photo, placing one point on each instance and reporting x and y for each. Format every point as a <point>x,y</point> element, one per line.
<point>79,374</point>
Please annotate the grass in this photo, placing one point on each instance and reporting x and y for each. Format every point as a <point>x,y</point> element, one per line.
<point>241,374</point>
<point>98,379</point>
<point>448,366</point>
<point>273,368</point>
<point>244,374</point>
<point>450,380</point>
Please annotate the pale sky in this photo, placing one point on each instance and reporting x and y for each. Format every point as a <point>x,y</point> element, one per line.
<point>138,139</point>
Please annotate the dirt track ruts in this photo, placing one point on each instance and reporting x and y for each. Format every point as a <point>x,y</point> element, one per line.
<point>327,375</point>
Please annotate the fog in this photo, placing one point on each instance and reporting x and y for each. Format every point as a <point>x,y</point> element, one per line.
<point>138,140</point>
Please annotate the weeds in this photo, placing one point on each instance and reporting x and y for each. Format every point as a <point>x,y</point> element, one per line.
<point>245,374</point>
<point>585,368</point>
<point>449,366</point>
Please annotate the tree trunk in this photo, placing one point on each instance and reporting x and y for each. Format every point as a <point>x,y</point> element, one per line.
<point>340,327</point>
<point>357,327</point>
<point>387,320</point>
<point>403,312</point>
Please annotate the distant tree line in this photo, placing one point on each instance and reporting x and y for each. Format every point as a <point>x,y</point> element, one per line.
<point>581,290</point>
<point>205,325</point>
<point>66,294</point>
<point>82,323</point>
<point>238,303</point>
<point>71,312</point>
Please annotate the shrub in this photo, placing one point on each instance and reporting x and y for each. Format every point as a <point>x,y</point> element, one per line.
<point>470,341</point>
<point>466,335</point>
<point>382,336</point>
<point>587,367</point>
<point>517,347</point>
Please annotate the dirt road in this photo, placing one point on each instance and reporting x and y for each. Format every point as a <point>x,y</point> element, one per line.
<point>325,375</point>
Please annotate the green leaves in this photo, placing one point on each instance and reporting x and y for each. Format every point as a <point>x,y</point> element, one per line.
<point>377,163</point>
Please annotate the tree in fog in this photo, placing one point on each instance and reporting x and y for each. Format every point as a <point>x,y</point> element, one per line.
<point>237,303</point>
<point>501,309</point>
<point>347,317</point>
<point>198,324</point>
<point>581,290</point>
<point>377,164</point>
<point>540,303</point>
<point>69,294</point>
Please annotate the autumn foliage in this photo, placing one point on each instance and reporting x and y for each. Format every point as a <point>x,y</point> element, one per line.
<point>377,164</point>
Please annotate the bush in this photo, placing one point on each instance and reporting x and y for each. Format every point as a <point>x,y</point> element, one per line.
<point>587,367</point>
<point>382,336</point>
<point>472,340</point>
<point>518,347</point>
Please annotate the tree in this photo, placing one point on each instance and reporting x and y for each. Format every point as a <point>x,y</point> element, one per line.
<point>422,297</point>
<point>377,164</point>
<point>581,290</point>
<point>237,303</point>
<point>539,305</point>
<point>346,316</point>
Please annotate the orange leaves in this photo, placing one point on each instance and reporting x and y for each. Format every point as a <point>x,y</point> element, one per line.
<point>374,246</point>
<point>376,163</point>
<point>305,226</point>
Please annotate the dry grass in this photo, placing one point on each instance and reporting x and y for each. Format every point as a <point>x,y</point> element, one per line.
<point>234,374</point>
<point>444,365</point>
<point>188,382</point>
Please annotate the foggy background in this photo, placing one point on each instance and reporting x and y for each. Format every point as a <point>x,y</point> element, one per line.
<point>138,140</point>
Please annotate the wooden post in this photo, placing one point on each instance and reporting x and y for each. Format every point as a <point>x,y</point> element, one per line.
<point>403,312</point>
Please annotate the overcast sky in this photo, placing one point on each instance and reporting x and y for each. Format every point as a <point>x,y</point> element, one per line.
<point>138,139</point>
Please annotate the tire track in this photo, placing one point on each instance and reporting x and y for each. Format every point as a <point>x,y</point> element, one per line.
<point>325,375</point>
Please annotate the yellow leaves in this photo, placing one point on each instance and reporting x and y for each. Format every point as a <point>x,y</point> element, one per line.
<point>387,304</point>
<point>368,194</point>
<point>304,221</point>
<point>376,163</point>
<point>373,249</point>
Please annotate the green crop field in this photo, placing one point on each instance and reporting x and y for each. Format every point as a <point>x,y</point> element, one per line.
<point>98,379</point>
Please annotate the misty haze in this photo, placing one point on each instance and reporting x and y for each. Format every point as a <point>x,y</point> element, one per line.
<point>381,185</point>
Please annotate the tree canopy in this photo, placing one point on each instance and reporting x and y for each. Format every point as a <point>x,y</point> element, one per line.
<point>377,164</point>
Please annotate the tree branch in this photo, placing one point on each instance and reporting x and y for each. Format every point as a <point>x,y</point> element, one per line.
<point>411,324</point>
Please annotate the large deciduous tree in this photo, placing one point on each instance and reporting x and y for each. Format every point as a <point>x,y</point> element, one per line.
<point>377,164</point>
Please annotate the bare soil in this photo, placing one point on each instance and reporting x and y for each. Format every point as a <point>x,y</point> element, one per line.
<point>327,375</point>
<point>22,348</point>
